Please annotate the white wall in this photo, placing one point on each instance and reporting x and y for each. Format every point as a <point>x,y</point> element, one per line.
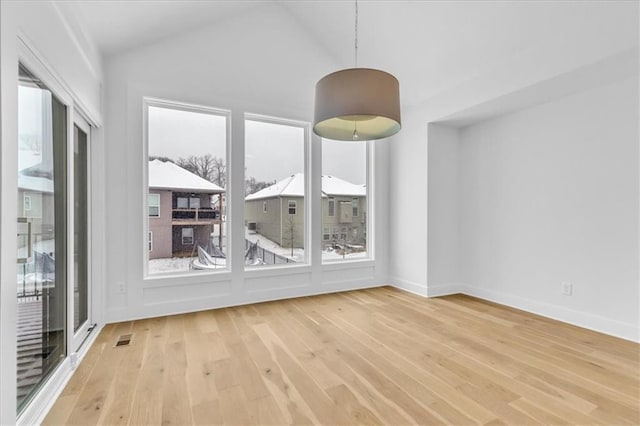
<point>54,53</point>
<point>408,203</point>
<point>549,194</point>
<point>443,212</point>
<point>270,70</point>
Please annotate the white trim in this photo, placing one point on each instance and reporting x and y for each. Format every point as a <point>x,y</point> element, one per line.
<point>34,61</point>
<point>444,289</point>
<point>409,286</point>
<point>149,205</point>
<point>560,313</point>
<point>148,101</point>
<point>586,320</point>
<point>308,214</point>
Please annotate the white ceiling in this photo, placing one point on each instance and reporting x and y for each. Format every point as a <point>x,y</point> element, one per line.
<point>431,46</point>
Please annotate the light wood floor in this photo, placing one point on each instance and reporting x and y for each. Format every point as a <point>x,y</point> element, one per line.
<point>377,356</point>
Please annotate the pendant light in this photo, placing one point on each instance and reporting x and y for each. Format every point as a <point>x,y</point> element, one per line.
<point>357,104</point>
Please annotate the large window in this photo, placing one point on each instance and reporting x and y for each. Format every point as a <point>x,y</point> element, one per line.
<point>187,181</point>
<point>275,188</point>
<point>344,200</point>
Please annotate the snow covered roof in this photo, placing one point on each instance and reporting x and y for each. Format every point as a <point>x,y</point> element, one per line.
<point>167,175</point>
<point>35,183</point>
<point>332,185</point>
<point>293,186</point>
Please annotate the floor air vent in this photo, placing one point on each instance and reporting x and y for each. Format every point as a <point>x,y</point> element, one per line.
<point>124,340</point>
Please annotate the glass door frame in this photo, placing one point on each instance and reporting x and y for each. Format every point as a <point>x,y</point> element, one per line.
<point>40,71</point>
<point>42,398</point>
<point>77,338</point>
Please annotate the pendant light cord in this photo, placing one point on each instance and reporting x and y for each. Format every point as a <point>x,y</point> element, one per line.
<point>356,36</point>
<point>355,135</point>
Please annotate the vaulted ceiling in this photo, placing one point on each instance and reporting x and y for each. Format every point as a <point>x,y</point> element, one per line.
<point>433,47</point>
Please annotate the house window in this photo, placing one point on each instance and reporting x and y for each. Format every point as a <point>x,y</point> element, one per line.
<point>154,205</point>
<point>187,236</point>
<point>27,203</point>
<point>275,166</point>
<point>187,152</point>
<point>182,203</point>
<point>326,234</point>
<point>335,235</point>
<point>345,171</point>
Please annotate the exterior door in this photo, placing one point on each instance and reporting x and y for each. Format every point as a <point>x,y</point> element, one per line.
<point>42,235</point>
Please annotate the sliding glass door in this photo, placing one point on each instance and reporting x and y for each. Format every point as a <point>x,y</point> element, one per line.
<point>42,234</point>
<point>81,296</point>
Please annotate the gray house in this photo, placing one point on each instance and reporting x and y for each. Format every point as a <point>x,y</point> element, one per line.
<point>277,212</point>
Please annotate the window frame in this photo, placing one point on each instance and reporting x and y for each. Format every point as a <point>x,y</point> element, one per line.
<point>306,202</point>
<point>355,207</point>
<point>191,200</point>
<point>26,203</point>
<point>149,206</point>
<point>147,103</point>
<point>183,236</point>
<point>331,207</point>
<point>150,241</point>
<point>294,208</point>
<point>185,202</point>
<point>367,218</point>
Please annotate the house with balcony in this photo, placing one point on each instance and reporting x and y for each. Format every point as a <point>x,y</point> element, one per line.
<point>277,212</point>
<point>184,211</point>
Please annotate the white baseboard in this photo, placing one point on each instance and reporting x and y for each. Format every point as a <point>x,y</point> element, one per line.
<point>225,301</point>
<point>579,318</point>
<point>411,287</point>
<point>444,289</point>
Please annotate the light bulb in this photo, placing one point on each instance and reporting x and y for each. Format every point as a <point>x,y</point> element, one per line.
<point>356,136</point>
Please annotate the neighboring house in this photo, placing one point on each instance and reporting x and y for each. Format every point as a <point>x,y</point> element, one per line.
<point>183,210</point>
<point>277,211</point>
<point>36,200</point>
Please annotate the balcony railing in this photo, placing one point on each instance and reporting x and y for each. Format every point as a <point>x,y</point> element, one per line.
<point>195,214</point>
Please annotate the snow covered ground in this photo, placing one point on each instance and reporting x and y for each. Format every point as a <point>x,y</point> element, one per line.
<point>176,264</point>
<point>298,253</point>
<point>182,264</point>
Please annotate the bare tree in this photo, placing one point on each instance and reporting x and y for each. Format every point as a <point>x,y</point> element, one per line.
<point>158,157</point>
<point>251,185</point>
<point>207,167</point>
<point>219,172</point>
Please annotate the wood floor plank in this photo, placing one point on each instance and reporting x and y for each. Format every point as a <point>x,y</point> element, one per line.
<point>375,356</point>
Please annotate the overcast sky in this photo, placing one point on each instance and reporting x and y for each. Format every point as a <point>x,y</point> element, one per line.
<point>272,151</point>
